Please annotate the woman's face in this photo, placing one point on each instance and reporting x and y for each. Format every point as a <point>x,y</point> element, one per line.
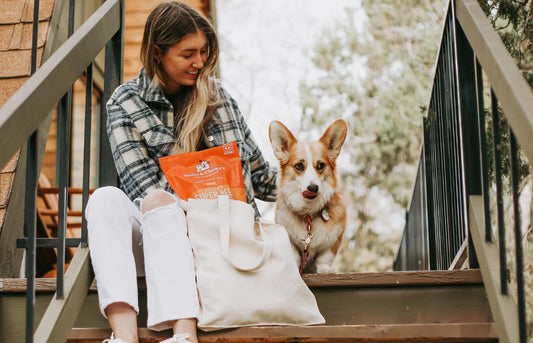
<point>183,61</point>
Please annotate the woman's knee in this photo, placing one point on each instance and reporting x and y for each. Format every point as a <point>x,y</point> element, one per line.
<point>105,196</point>
<point>155,199</point>
<point>104,200</point>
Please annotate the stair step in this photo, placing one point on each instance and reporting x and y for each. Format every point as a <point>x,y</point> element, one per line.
<point>434,333</point>
<point>368,279</point>
<point>426,306</point>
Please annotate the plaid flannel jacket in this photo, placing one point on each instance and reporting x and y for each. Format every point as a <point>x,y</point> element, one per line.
<point>140,130</point>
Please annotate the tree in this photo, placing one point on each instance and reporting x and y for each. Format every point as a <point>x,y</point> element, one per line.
<point>378,79</point>
<point>513,19</point>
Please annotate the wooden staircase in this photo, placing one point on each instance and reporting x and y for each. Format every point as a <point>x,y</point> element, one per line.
<point>421,306</point>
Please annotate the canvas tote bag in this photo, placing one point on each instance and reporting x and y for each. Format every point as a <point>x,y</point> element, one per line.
<point>245,270</point>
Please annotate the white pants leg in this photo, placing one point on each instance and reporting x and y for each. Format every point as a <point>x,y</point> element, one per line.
<point>115,226</point>
<point>170,279</point>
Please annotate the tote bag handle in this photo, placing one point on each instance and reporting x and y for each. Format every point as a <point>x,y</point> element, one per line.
<point>255,247</point>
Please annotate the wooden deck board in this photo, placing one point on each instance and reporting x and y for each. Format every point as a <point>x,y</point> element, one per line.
<point>373,279</point>
<point>456,332</point>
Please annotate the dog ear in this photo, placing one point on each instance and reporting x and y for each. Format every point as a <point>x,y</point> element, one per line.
<point>334,138</point>
<point>281,140</point>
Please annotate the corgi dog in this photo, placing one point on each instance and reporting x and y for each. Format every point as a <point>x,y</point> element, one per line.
<point>309,205</point>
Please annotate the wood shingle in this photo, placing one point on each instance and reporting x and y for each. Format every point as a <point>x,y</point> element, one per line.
<point>16,17</point>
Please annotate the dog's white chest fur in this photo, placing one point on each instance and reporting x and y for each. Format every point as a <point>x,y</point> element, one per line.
<point>325,234</point>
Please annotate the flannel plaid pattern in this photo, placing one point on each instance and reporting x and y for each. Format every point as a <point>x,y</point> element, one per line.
<point>139,126</point>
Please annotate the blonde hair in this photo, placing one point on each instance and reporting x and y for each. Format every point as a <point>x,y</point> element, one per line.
<point>166,25</point>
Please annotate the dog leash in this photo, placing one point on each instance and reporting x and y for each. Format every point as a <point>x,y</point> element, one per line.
<point>308,237</point>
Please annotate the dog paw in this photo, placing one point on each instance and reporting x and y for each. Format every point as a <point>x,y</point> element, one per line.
<point>324,268</point>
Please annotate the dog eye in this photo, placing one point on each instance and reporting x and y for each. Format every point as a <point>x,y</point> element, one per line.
<point>299,166</point>
<point>320,165</point>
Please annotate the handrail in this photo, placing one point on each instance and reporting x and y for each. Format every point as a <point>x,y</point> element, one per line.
<point>60,315</point>
<point>22,114</point>
<point>511,89</point>
<point>503,308</point>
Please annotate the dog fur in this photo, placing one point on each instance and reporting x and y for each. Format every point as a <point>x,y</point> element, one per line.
<point>308,187</point>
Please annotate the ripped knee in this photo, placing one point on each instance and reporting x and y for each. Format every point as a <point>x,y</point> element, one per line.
<point>155,199</point>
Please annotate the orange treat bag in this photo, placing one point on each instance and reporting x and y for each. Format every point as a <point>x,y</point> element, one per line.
<point>206,174</point>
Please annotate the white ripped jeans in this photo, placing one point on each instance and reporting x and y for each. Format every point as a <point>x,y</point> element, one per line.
<point>119,236</point>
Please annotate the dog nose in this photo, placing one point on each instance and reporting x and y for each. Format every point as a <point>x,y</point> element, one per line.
<point>312,188</point>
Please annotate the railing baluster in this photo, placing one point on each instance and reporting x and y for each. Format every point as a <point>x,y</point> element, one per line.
<point>86,150</point>
<point>441,137</point>
<point>63,139</point>
<point>483,151</point>
<point>30,221</point>
<point>515,179</point>
<point>64,120</point>
<point>30,214</point>
<point>71,9</point>
<point>439,156</point>
<point>428,167</point>
<point>437,159</point>
<point>496,141</point>
<point>445,158</point>
<point>114,55</point>
<point>35,36</point>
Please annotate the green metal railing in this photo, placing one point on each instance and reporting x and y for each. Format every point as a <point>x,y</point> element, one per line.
<point>449,217</point>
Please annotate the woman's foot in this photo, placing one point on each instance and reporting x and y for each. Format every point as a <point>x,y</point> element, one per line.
<point>112,339</point>
<point>184,331</point>
<point>123,321</point>
<point>178,338</point>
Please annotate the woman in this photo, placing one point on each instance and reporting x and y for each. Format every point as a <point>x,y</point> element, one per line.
<point>173,106</point>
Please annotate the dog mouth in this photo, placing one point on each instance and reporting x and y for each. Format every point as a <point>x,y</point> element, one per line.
<point>309,195</point>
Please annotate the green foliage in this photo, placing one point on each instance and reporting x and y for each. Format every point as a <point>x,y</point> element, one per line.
<point>360,253</point>
<point>513,19</point>
<point>514,23</point>
<point>504,149</point>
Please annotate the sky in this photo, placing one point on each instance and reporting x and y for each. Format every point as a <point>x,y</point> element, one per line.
<point>265,52</point>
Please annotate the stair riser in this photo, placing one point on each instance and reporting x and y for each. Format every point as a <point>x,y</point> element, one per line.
<point>404,305</point>
<point>339,305</point>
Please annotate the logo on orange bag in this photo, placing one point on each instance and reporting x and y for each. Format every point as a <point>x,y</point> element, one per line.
<point>202,166</point>
<point>228,148</point>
